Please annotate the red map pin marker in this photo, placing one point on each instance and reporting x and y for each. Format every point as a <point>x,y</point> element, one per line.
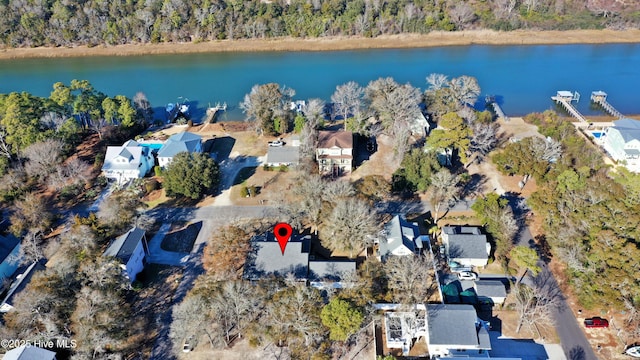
<point>282,232</point>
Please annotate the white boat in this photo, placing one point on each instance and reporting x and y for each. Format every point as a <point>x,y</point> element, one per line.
<point>633,351</point>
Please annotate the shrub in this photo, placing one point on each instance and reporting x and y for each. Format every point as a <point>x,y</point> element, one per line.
<point>151,185</point>
<point>98,161</point>
<point>157,170</point>
<point>190,123</point>
<point>266,167</point>
<point>244,191</point>
<point>283,168</point>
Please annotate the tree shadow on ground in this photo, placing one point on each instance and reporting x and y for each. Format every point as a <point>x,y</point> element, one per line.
<point>221,147</point>
<point>182,240</point>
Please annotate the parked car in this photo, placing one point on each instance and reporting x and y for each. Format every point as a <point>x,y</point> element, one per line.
<point>596,322</point>
<point>276,143</point>
<point>467,275</point>
<point>633,351</point>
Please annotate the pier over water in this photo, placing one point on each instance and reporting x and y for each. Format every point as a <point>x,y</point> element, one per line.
<point>565,98</point>
<point>600,98</point>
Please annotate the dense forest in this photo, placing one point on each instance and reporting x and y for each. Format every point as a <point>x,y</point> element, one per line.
<point>69,23</point>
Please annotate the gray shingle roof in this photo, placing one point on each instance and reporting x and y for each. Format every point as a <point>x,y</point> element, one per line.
<point>490,288</point>
<point>399,232</point>
<point>283,155</point>
<point>181,142</point>
<point>466,242</point>
<point>122,248</point>
<point>22,282</point>
<point>29,353</point>
<point>330,270</point>
<point>266,259</point>
<point>452,325</point>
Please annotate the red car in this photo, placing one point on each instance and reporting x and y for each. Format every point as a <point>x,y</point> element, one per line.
<point>596,322</point>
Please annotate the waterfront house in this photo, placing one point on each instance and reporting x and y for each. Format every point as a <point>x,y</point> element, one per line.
<point>127,162</point>
<point>265,259</point>
<point>29,352</point>
<point>334,152</point>
<point>622,142</point>
<point>454,330</point>
<point>177,143</point>
<point>9,256</point>
<point>131,250</point>
<point>466,245</point>
<point>402,238</point>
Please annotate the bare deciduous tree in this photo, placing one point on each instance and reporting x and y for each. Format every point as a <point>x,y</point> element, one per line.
<point>462,15</point>
<point>484,138</point>
<point>546,149</point>
<point>5,148</point>
<point>349,227</point>
<point>31,213</point>
<point>535,304</point>
<point>465,89</point>
<point>444,189</point>
<point>52,120</point>
<point>43,157</point>
<point>347,100</point>
<point>266,102</point>
<point>410,278</point>
<point>436,81</point>
<point>143,106</point>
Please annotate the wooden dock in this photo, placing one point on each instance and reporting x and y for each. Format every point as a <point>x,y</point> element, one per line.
<point>212,112</point>
<point>600,98</point>
<point>565,98</point>
<point>490,100</point>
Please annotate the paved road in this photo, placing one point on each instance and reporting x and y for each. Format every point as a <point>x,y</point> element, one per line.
<point>572,337</point>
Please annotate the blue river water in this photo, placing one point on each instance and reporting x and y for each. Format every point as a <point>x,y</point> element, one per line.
<point>522,77</point>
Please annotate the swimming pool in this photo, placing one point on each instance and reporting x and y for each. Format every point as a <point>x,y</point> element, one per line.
<point>597,134</point>
<point>152,146</point>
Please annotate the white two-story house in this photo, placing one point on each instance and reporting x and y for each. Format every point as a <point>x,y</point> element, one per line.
<point>126,162</point>
<point>131,250</point>
<point>622,142</point>
<point>335,152</point>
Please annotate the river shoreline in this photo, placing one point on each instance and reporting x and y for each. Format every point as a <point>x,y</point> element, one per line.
<point>433,39</point>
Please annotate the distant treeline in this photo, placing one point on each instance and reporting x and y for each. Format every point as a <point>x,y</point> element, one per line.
<point>65,23</point>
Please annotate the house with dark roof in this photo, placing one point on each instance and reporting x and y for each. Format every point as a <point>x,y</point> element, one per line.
<point>177,143</point>
<point>455,330</point>
<point>334,152</point>
<point>127,162</point>
<point>131,250</point>
<point>622,142</point>
<point>402,238</point>
<point>9,256</point>
<point>265,259</point>
<point>26,352</point>
<point>18,285</point>
<point>466,245</point>
<point>334,274</point>
<point>491,290</point>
